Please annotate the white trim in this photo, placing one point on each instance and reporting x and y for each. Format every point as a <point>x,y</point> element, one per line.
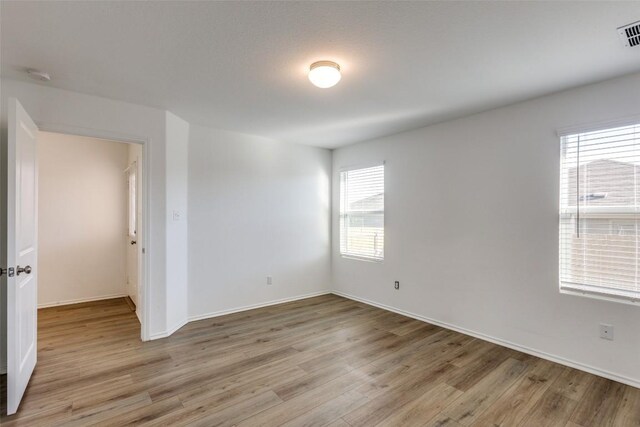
<point>90,132</point>
<point>553,358</point>
<point>169,332</point>
<point>362,258</point>
<point>144,263</point>
<point>366,165</point>
<point>599,125</point>
<point>254,306</point>
<point>603,295</point>
<point>80,300</point>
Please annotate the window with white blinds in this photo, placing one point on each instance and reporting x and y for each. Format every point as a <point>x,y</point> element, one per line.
<point>362,213</point>
<point>600,213</point>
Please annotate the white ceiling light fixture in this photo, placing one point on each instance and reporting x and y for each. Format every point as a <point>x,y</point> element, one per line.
<point>324,74</point>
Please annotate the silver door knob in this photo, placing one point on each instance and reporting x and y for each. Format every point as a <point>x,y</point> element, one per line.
<point>26,270</point>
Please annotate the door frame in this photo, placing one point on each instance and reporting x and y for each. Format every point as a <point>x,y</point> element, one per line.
<point>143,244</point>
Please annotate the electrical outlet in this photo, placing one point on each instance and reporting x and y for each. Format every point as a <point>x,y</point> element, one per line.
<point>606,332</point>
<point>269,280</point>
<point>396,285</point>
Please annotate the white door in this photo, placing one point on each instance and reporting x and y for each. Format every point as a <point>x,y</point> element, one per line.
<point>134,233</point>
<point>22,252</point>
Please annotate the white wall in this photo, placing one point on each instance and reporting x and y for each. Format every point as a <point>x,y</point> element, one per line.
<point>256,208</point>
<point>471,219</point>
<point>471,229</point>
<point>56,109</point>
<point>82,219</point>
<point>177,131</point>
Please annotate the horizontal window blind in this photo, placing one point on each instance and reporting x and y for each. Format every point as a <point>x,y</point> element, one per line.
<point>362,213</point>
<point>600,212</point>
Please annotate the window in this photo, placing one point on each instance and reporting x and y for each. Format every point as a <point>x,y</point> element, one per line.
<point>132,199</point>
<point>362,213</point>
<point>600,213</point>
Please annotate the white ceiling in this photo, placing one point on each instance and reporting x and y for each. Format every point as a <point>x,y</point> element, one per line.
<point>242,66</point>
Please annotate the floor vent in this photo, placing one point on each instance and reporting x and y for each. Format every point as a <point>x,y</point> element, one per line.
<point>630,34</point>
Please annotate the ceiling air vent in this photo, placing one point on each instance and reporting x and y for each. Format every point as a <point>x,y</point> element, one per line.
<point>630,34</point>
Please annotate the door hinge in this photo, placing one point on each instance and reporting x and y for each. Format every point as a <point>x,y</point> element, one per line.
<point>8,271</point>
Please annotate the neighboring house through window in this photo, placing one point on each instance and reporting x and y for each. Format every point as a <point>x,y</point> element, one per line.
<point>600,213</point>
<point>362,213</point>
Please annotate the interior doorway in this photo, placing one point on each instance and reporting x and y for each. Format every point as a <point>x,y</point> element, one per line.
<point>90,217</point>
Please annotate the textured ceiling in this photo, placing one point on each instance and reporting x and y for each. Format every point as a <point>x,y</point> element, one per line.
<point>241,66</point>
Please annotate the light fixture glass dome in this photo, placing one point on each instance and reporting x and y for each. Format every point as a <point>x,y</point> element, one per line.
<point>324,74</point>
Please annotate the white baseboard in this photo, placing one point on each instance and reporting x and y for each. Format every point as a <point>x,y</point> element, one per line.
<point>170,331</point>
<point>254,306</point>
<point>553,358</point>
<point>80,300</point>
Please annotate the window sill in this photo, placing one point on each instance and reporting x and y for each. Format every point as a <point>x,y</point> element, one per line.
<point>623,299</point>
<point>361,258</point>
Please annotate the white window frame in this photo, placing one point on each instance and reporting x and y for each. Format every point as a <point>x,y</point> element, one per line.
<point>594,212</point>
<point>132,194</point>
<point>351,256</point>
